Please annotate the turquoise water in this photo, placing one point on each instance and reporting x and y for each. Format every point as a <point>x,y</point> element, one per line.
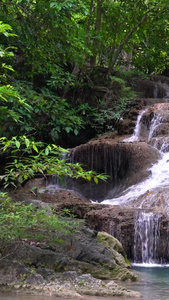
<point>155,284</point>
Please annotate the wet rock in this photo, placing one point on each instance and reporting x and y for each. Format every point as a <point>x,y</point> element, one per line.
<point>150,88</point>
<point>35,183</point>
<point>80,251</point>
<point>118,222</point>
<point>126,127</point>
<point>114,245</point>
<point>116,158</point>
<point>16,272</point>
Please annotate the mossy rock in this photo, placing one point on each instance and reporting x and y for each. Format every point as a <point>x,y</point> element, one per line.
<point>115,246</point>
<point>124,274</point>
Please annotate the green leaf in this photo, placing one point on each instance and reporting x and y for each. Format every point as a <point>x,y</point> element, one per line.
<point>27,142</point>
<point>96,180</point>
<point>17,143</point>
<point>8,67</point>
<point>68,129</point>
<point>88,177</point>
<point>47,151</point>
<point>55,5</point>
<point>76,131</point>
<point>35,148</point>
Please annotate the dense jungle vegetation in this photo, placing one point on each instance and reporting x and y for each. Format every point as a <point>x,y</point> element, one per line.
<point>67,67</point>
<point>51,53</point>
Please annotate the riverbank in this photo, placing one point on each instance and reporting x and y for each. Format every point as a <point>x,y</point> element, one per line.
<point>82,262</point>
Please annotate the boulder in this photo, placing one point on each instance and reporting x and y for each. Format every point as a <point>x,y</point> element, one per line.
<point>118,222</point>
<point>116,158</point>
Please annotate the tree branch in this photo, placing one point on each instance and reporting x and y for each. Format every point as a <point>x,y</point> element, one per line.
<point>17,5</point>
<point>120,47</point>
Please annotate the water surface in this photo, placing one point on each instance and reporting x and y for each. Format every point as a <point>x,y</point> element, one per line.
<point>155,284</point>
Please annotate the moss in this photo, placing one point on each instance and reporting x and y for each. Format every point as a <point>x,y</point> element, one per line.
<point>24,277</point>
<point>115,247</point>
<point>127,261</point>
<point>96,271</point>
<point>110,242</point>
<point>125,275</point>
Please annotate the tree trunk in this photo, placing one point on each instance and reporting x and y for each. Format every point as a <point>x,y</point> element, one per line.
<point>89,23</point>
<point>97,29</point>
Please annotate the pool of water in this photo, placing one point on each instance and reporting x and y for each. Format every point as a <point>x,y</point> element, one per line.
<point>155,282</point>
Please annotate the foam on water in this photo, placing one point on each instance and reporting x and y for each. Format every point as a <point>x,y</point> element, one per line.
<point>150,265</point>
<point>159,177</point>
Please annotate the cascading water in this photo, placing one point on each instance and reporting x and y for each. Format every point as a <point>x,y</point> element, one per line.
<point>115,159</point>
<point>159,172</point>
<point>147,223</point>
<point>146,238</point>
<point>136,134</point>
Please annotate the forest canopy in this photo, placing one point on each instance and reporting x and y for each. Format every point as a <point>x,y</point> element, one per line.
<point>51,53</point>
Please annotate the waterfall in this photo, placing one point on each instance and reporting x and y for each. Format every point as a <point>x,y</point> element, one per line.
<point>137,130</point>
<point>148,241</point>
<point>119,158</point>
<point>160,171</point>
<point>147,238</point>
<point>154,127</point>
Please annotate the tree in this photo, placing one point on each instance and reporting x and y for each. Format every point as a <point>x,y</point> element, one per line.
<point>9,97</point>
<point>78,31</point>
<point>73,37</point>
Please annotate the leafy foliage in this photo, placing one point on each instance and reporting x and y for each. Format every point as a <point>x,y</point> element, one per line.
<point>54,44</point>
<point>49,116</point>
<point>29,159</point>
<point>24,222</point>
<point>9,97</point>
<point>116,102</point>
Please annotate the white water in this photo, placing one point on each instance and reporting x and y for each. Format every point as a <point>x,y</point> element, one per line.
<point>136,134</point>
<point>159,177</point>
<point>147,224</point>
<point>159,172</point>
<point>29,297</point>
<point>146,238</point>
